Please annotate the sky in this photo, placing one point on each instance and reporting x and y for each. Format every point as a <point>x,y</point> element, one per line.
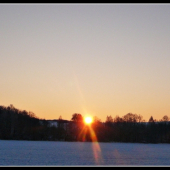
<point>92,59</point>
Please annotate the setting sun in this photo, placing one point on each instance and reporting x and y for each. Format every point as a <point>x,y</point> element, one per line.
<point>88,120</point>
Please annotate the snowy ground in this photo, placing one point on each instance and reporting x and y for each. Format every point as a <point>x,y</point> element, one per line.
<point>40,153</point>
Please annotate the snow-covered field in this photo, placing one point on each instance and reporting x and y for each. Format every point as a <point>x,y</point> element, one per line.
<point>41,153</point>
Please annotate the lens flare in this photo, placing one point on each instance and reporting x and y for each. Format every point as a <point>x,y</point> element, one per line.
<point>87,133</point>
<point>96,148</point>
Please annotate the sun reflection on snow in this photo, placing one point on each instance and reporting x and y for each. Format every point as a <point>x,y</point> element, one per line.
<point>96,147</point>
<point>83,136</point>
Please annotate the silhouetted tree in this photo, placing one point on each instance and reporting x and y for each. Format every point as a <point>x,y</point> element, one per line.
<point>96,120</point>
<point>165,118</point>
<point>76,126</point>
<point>99,129</point>
<point>109,120</point>
<point>151,119</point>
<point>117,119</point>
<point>130,117</point>
<point>23,125</point>
<point>76,117</point>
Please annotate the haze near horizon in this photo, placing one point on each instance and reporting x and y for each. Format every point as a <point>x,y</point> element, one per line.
<point>92,59</point>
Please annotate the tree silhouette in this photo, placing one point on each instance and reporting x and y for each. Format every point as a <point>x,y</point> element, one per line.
<point>18,124</point>
<point>130,117</point>
<point>109,119</point>
<point>117,119</point>
<point>76,117</point>
<point>151,119</point>
<point>165,118</point>
<point>76,126</point>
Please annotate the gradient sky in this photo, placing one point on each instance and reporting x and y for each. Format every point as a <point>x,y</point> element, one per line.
<point>92,59</point>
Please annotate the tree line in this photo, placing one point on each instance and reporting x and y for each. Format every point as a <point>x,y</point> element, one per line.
<point>18,124</point>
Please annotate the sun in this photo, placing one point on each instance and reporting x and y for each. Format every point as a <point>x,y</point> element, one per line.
<point>88,120</point>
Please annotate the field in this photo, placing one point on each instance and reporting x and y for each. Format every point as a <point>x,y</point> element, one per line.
<point>40,153</point>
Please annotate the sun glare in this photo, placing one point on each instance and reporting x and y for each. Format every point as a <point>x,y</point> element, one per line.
<point>88,120</point>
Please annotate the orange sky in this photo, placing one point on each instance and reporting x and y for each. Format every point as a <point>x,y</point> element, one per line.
<point>94,60</point>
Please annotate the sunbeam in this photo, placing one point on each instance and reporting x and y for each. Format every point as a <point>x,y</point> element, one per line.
<point>96,147</point>
<point>87,131</point>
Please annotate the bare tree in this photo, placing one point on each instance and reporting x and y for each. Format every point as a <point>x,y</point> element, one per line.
<point>109,119</point>
<point>165,118</point>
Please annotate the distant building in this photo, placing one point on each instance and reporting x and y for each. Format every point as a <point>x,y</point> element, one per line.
<point>56,123</point>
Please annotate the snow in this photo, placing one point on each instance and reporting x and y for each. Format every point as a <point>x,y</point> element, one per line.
<point>48,153</point>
